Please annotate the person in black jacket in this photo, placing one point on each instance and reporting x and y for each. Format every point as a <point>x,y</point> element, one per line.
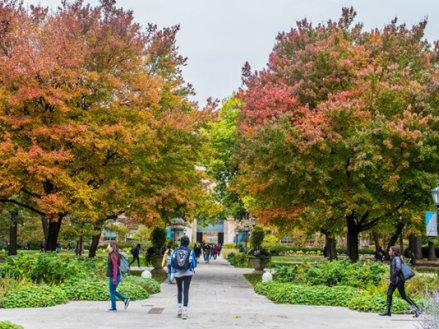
<point>397,282</point>
<point>135,252</point>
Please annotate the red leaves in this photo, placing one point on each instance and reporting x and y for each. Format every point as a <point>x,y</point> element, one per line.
<point>94,115</point>
<point>340,121</point>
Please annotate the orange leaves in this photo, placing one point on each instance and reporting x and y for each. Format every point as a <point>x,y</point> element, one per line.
<point>94,113</point>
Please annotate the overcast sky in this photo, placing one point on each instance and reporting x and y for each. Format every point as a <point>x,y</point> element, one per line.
<point>219,36</point>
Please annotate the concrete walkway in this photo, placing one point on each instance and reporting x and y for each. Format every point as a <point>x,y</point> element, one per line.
<point>220,298</point>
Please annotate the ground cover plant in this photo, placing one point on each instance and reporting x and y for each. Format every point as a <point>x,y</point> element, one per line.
<point>9,325</point>
<point>359,286</point>
<point>25,283</point>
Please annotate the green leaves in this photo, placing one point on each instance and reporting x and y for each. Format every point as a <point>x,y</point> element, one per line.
<point>34,296</point>
<point>306,295</point>
<point>335,273</point>
<point>85,289</point>
<point>150,285</point>
<point>9,325</point>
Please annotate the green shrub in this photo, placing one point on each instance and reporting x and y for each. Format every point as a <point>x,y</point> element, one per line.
<point>281,249</point>
<point>421,284</point>
<point>257,237</point>
<point>286,273</point>
<point>150,285</point>
<point>306,295</point>
<point>34,296</point>
<point>91,290</point>
<point>335,273</point>
<point>9,325</point>
<point>238,260</point>
<point>132,291</point>
<point>17,267</point>
<point>158,237</point>
<point>51,268</point>
<point>7,285</point>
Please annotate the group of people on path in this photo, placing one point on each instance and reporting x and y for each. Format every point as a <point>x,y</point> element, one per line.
<point>182,261</point>
<point>208,251</point>
<point>181,264</point>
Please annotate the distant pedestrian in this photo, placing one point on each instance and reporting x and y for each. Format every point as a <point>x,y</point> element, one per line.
<point>167,257</point>
<point>197,251</point>
<point>212,251</point>
<point>206,253</point>
<point>379,254</point>
<point>183,264</point>
<point>114,275</point>
<point>58,247</point>
<point>136,252</point>
<point>397,282</point>
<point>215,251</point>
<point>220,247</point>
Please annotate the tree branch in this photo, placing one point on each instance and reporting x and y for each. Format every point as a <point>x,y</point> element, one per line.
<point>18,203</point>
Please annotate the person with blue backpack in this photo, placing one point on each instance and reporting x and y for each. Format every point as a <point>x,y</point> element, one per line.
<point>183,264</point>
<point>116,265</point>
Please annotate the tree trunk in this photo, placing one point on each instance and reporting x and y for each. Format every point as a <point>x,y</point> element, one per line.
<point>13,230</point>
<point>94,245</point>
<point>376,240</point>
<point>45,225</point>
<point>431,250</point>
<point>330,246</point>
<point>394,238</point>
<point>52,233</point>
<point>95,238</point>
<point>412,245</point>
<point>401,243</point>
<point>79,246</point>
<point>418,247</point>
<point>352,239</point>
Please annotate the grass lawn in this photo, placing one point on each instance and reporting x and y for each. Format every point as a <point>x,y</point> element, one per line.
<point>253,278</point>
<point>295,259</point>
<point>159,277</point>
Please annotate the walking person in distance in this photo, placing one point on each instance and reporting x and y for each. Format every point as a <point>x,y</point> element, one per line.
<point>397,282</point>
<point>167,257</point>
<point>115,276</point>
<point>136,252</point>
<point>183,263</point>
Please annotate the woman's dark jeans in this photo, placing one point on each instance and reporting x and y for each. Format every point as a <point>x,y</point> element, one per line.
<point>183,285</point>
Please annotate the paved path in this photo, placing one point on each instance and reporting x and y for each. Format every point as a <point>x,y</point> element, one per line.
<point>220,298</point>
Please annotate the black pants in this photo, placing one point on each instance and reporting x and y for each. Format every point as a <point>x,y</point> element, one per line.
<point>401,289</point>
<point>134,259</point>
<point>183,285</point>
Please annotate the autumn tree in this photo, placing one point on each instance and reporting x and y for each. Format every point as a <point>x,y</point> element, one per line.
<point>94,116</point>
<point>341,127</point>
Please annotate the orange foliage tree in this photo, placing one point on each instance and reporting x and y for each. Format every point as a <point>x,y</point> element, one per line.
<point>94,116</point>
